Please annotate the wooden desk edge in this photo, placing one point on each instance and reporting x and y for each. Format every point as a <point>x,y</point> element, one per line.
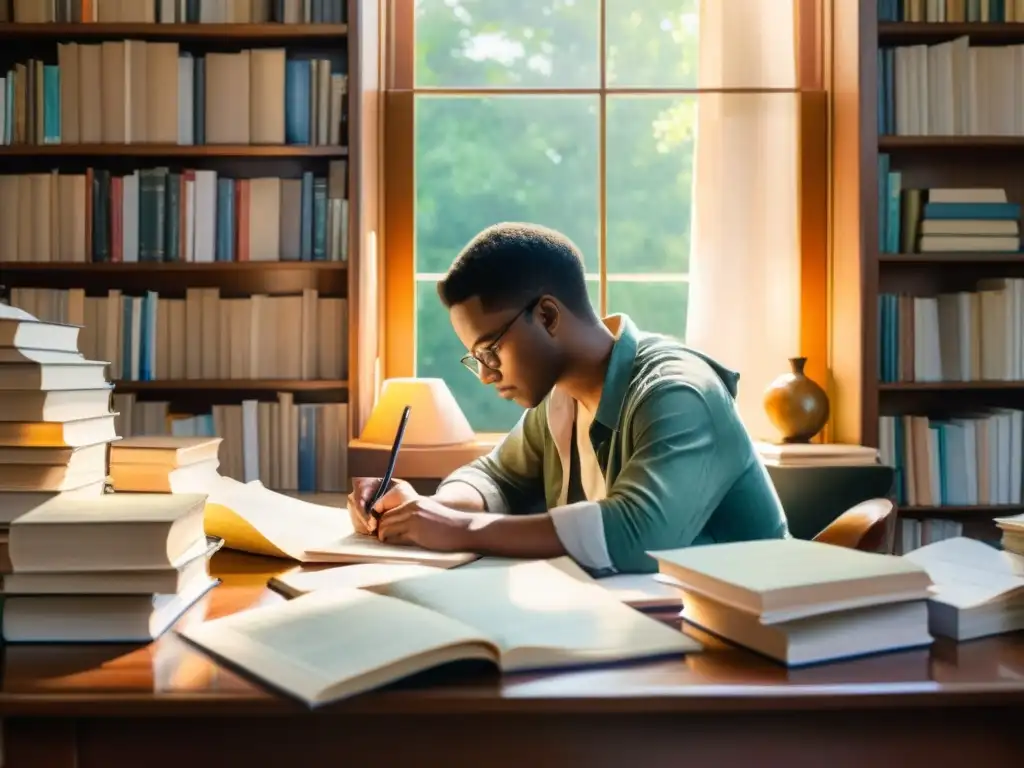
<point>738,699</point>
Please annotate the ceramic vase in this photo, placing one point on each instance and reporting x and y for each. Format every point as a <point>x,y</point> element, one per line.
<point>796,405</point>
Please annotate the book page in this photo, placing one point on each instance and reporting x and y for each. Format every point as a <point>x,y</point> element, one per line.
<point>299,581</point>
<point>1013,523</point>
<point>640,590</point>
<point>352,547</point>
<point>540,616</point>
<point>252,518</point>
<point>967,572</point>
<point>328,645</point>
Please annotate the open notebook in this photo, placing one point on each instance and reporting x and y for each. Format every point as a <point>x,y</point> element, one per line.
<point>252,518</point>
<point>332,644</point>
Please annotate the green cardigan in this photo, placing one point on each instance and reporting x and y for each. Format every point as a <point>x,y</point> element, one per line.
<point>679,466</point>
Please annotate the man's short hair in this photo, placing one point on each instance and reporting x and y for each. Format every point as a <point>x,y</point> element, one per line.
<point>510,264</point>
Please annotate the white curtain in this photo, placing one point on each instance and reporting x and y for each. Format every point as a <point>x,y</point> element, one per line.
<point>744,302</point>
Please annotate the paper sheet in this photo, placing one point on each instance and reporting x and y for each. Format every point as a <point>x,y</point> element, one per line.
<point>252,518</point>
<point>967,573</point>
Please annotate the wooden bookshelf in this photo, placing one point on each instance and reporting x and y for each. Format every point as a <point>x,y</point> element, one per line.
<point>341,44</point>
<point>862,272</point>
<point>272,32</point>
<point>272,278</point>
<point>950,142</point>
<point>920,32</point>
<point>171,150</point>
<point>952,258</point>
<point>985,511</point>
<point>950,386</point>
<point>232,385</point>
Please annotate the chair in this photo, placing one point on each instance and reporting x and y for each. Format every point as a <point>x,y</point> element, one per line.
<point>814,496</point>
<point>869,526</point>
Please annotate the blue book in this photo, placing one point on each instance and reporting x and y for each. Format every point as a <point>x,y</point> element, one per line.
<point>883,186</point>
<point>224,247</point>
<point>147,356</point>
<point>297,102</point>
<point>306,222</point>
<point>51,104</point>
<point>880,92</point>
<point>900,480</point>
<point>320,219</point>
<point>943,433</point>
<point>127,339</point>
<point>890,91</point>
<point>894,337</point>
<point>307,448</point>
<point>892,212</point>
<point>199,100</point>
<point>992,211</point>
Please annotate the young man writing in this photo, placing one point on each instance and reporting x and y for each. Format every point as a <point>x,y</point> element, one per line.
<point>630,442</point>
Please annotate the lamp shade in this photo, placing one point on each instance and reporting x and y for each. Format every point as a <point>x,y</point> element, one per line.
<point>435,418</point>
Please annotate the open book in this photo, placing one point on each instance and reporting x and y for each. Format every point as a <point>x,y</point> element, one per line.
<point>252,518</point>
<point>332,644</point>
<point>978,590</point>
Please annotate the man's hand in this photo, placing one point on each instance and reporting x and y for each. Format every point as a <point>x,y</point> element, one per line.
<point>426,523</point>
<point>363,489</point>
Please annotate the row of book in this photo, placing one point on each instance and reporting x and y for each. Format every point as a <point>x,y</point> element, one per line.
<point>916,533</point>
<point>963,336</point>
<point>951,89</point>
<point>285,445</point>
<point>174,11</point>
<point>952,11</point>
<point>202,336</point>
<point>163,215</point>
<point>940,219</point>
<point>958,461</point>
<point>138,92</point>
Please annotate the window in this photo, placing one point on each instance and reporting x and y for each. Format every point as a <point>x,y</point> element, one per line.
<point>576,114</point>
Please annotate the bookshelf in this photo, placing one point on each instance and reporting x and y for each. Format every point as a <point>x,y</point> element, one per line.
<point>227,246</point>
<point>871,386</point>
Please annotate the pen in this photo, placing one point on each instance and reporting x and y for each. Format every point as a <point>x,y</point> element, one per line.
<point>386,480</point>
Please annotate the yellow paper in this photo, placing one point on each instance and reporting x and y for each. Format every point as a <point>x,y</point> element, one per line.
<point>237,533</point>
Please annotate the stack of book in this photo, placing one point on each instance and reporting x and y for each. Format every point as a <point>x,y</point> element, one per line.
<point>164,464</point>
<point>55,420</point>
<point>980,220</point>
<point>801,602</point>
<point>119,568</point>
<point>1012,533</point>
<point>80,564</point>
<point>816,455</point>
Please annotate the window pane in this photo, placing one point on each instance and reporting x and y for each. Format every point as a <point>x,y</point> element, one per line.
<point>483,160</point>
<point>507,43</point>
<point>650,143</point>
<point>656,307</point>
<point>479,161</point>
<point>652,43</point>
<point>438,351</point>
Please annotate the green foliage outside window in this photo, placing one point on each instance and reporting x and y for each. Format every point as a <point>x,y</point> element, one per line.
<point>485,158</point>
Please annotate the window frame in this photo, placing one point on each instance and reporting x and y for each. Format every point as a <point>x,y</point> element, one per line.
<point>397,316</point>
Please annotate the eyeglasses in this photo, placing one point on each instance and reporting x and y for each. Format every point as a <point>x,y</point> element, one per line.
<point>488,356</point>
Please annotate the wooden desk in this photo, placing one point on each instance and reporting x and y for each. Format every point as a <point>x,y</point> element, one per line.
<point>168,706</point>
